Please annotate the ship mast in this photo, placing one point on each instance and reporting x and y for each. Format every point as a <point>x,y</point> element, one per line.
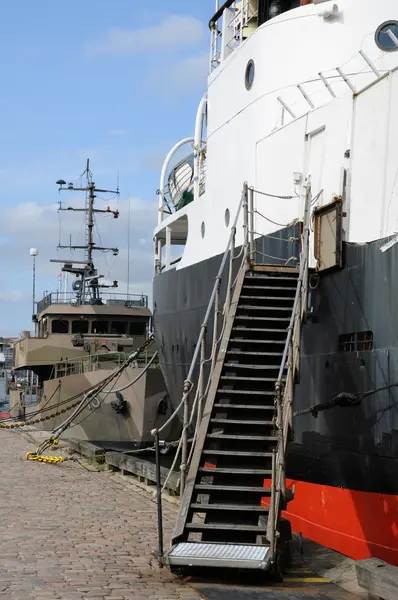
<point>87,284</point>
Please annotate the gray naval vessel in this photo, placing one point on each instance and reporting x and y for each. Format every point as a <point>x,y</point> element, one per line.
<point>83,338</point>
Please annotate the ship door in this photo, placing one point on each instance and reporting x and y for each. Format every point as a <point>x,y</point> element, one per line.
<point>328,242</point>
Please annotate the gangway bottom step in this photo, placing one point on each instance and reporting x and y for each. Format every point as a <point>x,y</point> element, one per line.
<point>226,556</point>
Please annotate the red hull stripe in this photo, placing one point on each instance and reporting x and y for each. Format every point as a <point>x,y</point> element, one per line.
<point>358,524</point>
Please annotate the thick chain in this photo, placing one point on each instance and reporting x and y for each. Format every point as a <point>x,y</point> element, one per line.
<point>35,421</point>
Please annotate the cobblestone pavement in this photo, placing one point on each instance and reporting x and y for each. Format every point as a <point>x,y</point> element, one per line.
<point>69,534</point>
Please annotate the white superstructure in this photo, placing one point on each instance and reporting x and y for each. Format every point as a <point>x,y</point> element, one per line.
<point>312,92</point>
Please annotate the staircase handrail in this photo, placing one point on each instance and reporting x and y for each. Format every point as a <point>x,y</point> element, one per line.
<point>290,359</point>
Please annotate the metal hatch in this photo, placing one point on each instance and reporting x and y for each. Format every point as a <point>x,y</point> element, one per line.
<point>328,239</point>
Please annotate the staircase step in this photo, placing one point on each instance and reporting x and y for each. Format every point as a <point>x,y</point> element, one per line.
<point>248,366</point>
<point>240,422</point>
<point>245,392</point>
<point>247,438</point>
<point>271,298</point>
<point>248,454</point>
<point>198,507</point>
<point>235,340</point>
<point>253,353</point>
<point>232,556</point>
<point>244,407</point>
<point>223,527</point>
<point>235,378</point>
<point>266,277</point>
<point>272,287</point>
<point>272,319</point>
<point>233,471</point>
<point>208,487</point>
<point>276,308</point>
<point>260,329</point>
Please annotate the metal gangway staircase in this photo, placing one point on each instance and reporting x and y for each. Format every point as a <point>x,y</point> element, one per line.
<point>240,412</point>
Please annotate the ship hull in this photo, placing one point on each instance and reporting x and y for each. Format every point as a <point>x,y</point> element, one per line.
<point>344,463</point>
<point>146,406</point>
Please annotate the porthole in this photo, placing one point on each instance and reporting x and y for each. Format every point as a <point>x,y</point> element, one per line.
<point>227,217</point>
<point>203,229</point>
<point>386,36</point>
<point>249,76</point>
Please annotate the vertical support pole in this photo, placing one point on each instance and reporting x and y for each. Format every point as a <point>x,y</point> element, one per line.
<point>201,384</point>
<point>184,435</point>
<point>271,527</point>
<point>34,287</point>
<point>215,327</point>
<point>168,247</point>
<point>160,551</point>
<point>245,221</point>
<point>251,223</point>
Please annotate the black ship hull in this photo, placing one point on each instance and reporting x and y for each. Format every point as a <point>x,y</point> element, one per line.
<point>344,462</point>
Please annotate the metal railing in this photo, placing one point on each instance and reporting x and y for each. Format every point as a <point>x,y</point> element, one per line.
<point>69,298</point>
<point>244,13</point>
<point>95,362</point>
<point>284,388</point>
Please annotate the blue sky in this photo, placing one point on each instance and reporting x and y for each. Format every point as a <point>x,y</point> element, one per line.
<point>118,82</point>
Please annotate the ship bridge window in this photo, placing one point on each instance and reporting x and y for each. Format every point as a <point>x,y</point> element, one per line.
<point>387,36</point>
<point>100,327</point>
<point>60,326</point>
<point>137,328</point>
<point>80,326</point>
<point>119,327</point>
<point>358,341</point>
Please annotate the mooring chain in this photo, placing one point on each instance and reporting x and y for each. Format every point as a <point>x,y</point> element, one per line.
<point>40,420</point>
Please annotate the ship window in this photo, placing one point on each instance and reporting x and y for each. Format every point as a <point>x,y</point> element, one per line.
<point>387,36</point>
<point>203,229</point>
<point>137,328</point>
<point>99,327</point>
<point>119,327</point>
<point>249,75</point>
<point>80,326</point>
<point>356,342</point>
<point>60,326</point>
<point>227,217</point>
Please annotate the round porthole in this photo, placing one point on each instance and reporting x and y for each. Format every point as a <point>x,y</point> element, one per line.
<point>386,36</point>
<point>203,229</point>
<point>249,76</point>
<point>227,217</point>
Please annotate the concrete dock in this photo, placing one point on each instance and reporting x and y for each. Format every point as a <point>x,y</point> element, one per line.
<point>70,534</point>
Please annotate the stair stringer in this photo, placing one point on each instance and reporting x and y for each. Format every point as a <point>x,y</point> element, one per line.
<point>204,425</point>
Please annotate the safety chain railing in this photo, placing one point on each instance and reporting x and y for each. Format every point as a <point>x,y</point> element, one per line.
<point>218,313</point>
<point>284,388</point>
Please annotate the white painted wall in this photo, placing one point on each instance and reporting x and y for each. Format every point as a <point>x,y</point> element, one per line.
<point>374,178</point>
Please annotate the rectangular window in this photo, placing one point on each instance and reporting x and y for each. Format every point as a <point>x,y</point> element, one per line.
<point>119,327</point>
<point>60,326</point>
<point>359,341</point>
<point>99,327</point>
<point>80,326</point>
<point>137,328</point>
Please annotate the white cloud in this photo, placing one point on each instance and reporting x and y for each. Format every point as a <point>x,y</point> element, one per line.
<point>183,76</point>
<point>32,225</point>
<point>190,73</point>
<point>173,33</point>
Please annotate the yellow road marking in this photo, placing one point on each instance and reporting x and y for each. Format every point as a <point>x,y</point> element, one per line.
<point>305,580</point>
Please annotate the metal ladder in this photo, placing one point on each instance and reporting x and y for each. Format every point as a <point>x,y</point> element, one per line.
<point>230,509</point>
